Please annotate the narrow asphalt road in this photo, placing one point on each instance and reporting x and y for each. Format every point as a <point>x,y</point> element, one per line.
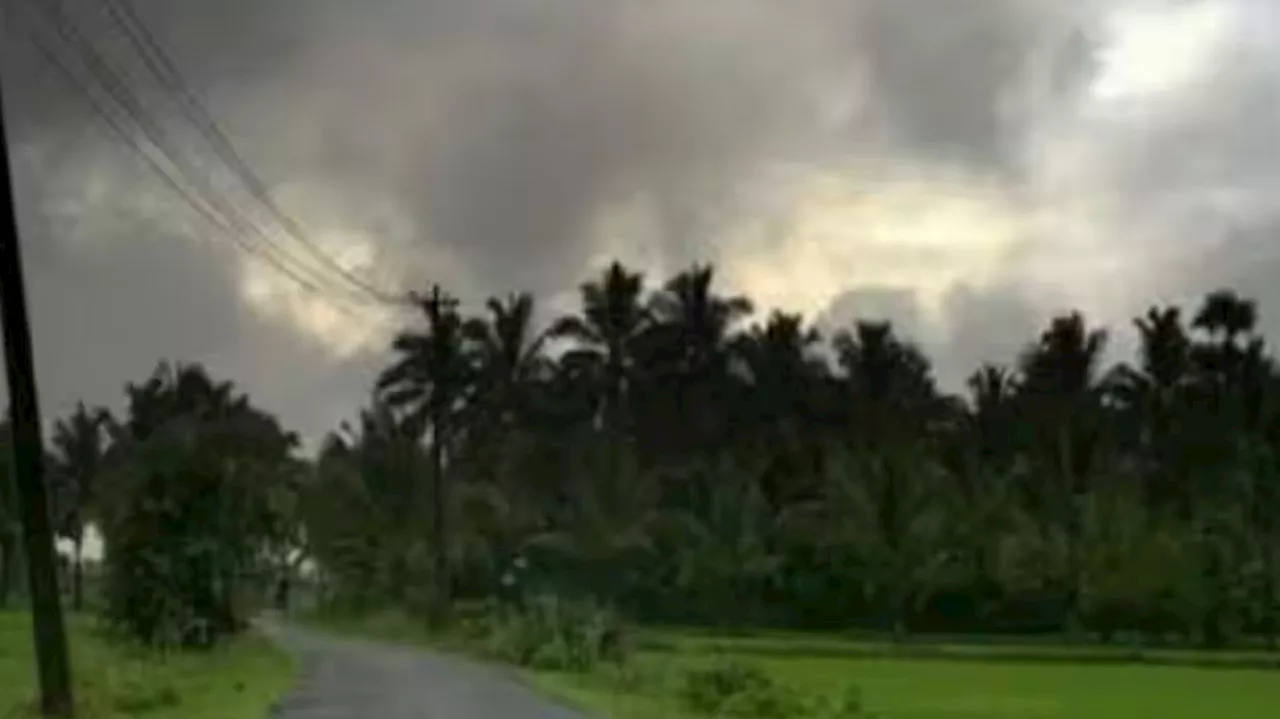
<point>352,679</point>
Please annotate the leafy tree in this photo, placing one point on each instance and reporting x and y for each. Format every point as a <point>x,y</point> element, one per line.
<point>889,509</point>
<point>723,549</point>
<point>193,470</point>
<point>363,508</point>
<point>658,457</point>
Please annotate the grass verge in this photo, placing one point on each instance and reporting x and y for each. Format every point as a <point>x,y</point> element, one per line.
<point>795,644</point>
<point>239,681</point>
<point>914,681</point>
<point>920,688</point>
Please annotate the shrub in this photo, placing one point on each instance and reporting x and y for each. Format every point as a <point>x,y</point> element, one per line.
<point>772,701</point>
<point>707,689</point>
<point>553,634</point>
<point>175,564</point>
<point>731,688</point>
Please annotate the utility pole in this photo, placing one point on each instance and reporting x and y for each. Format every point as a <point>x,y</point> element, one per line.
<point>52,664</point>
<point>440,310</point>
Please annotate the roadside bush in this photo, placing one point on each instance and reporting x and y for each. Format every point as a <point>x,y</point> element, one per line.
<point>553,634</point>
<point>731,688</point>
<point>167,575</point>
<point>707,689</point>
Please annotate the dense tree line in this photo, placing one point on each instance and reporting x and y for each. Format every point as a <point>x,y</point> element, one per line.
<point>662,451</point>
<point>658,450</point>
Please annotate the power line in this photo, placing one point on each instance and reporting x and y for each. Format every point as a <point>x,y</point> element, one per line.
<point>212,207</point>
<point>115,127</point>
<point>158,61</point>
<point>115,87</point>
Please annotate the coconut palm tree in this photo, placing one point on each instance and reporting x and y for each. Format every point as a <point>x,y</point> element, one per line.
<point>888,380</point>
<point>889,507</point>
<point>607,336</point>
<point>693,324</point>
<point>781,401</point>
<point>1152,398</point>
<point>782,350</point>
<point>507,351</point>
<point>80,448</point>
<point>722,548</point>
<point>1226,316</point>
<point>985,440</point>
<point>687,357</point>
<point>430,384</point>
<point>363,509</point>
<point>1061,396</point>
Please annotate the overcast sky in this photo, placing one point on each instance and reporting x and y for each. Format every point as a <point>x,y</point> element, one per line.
<point>966,168</point>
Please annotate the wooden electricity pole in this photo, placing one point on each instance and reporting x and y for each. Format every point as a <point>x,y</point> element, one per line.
<point>52,664</point>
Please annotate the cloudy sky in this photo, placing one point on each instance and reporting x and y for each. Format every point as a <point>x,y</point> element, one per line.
<point>965,167</point>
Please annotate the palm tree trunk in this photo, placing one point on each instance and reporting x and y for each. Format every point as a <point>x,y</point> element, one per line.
<point>1073,530</point>
<point>227,614</point>
<point>77,573</point>
<point>1269,598</point>
<point>1262,527</point>
<point>439,531</point>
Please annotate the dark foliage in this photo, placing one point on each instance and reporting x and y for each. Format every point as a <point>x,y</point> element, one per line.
<point>656,454</point>
<point>189,507</point>
<point>663,457</point>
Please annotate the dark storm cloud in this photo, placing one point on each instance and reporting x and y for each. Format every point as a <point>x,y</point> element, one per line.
<point>510,134</point>
<point>115,287</point>
<point>481,142</point>
<point>502,128</point>
<point>495,131</point>
<point>943,73</point>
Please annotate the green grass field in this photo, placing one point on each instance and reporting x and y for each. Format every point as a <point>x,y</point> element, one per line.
<point>950,688</point>
<point>919,680</point>
<point>240,681</point>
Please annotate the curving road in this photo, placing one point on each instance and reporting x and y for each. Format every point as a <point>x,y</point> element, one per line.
<point>352,679</point>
